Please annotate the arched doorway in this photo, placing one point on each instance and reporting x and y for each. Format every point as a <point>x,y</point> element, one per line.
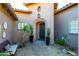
<point>40,30</point>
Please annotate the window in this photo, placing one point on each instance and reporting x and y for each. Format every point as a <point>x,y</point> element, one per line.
<point>20,25</point>
<point>73,26</point>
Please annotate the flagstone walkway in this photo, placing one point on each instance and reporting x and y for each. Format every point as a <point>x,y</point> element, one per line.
<point>38,48</point>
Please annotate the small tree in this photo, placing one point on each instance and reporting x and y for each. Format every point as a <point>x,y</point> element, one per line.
<point>26,32</point>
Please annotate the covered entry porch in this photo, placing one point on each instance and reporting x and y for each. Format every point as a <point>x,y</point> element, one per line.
<point>39,29</point>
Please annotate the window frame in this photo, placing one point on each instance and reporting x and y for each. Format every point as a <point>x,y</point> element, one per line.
<point>21,23</point>
<point>74,31</point>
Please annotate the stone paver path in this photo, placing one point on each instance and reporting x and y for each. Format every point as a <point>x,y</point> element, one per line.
<point>39,48</point>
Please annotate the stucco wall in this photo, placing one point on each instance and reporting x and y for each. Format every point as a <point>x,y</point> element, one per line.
<point>10,27</point>
<point>22,17</point>
<point>47,15</point>
<point>62,24</point>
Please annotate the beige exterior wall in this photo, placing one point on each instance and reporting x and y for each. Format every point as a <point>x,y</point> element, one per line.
<point>22,17</point>
<point>5,17</point>
<point>62,25</point>
<point>47,16</point>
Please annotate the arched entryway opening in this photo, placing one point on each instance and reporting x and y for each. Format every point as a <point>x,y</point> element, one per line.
<point>40,30</point>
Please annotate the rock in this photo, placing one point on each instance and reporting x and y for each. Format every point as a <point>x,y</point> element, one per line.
<point>64,51</point>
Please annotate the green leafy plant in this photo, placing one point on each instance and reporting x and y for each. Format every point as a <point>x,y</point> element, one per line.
<point>48,33</point>
<point>25,28</point>
<point>26,32</point>
<point>66,40</point>
<point>60,41</point>
<point>63,40</point>
<point>31,29</point>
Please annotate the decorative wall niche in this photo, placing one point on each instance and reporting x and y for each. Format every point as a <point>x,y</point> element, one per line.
<point>5,25</point>
<point>4,34</point>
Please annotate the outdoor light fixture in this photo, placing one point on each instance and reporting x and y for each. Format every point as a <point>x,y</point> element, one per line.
<point>39,9</point>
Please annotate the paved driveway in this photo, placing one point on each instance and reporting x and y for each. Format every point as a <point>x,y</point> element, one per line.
<point>38,48</point>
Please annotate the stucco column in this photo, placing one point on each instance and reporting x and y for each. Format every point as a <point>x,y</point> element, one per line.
<point>34,31</point>
<point>52,26</point>
<point>50,23</point>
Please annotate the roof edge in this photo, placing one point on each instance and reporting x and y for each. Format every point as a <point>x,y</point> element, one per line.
<point>24,11</point>
<point>65,7</point>
<point>11,10</point>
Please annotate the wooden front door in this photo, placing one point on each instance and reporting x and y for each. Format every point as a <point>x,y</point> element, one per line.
<point>42,31</point>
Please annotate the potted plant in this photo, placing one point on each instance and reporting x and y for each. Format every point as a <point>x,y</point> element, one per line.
<point>31,35</point>
<point>48,37</point>
<point>21,43</point>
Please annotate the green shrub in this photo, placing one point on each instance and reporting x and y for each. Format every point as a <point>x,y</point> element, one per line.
<point>60,41</point>
<point>63,40</point>
<point>31,29</point>
<point>26,28</point>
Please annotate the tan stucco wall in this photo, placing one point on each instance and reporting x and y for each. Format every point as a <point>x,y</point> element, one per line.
<point>47,15</point>
<point>22,17</point>
<point>5,17</point>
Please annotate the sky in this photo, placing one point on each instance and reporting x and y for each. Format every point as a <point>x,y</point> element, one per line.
<point>60,5</point>
<point>19,6</point>
<point>22,7</point>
